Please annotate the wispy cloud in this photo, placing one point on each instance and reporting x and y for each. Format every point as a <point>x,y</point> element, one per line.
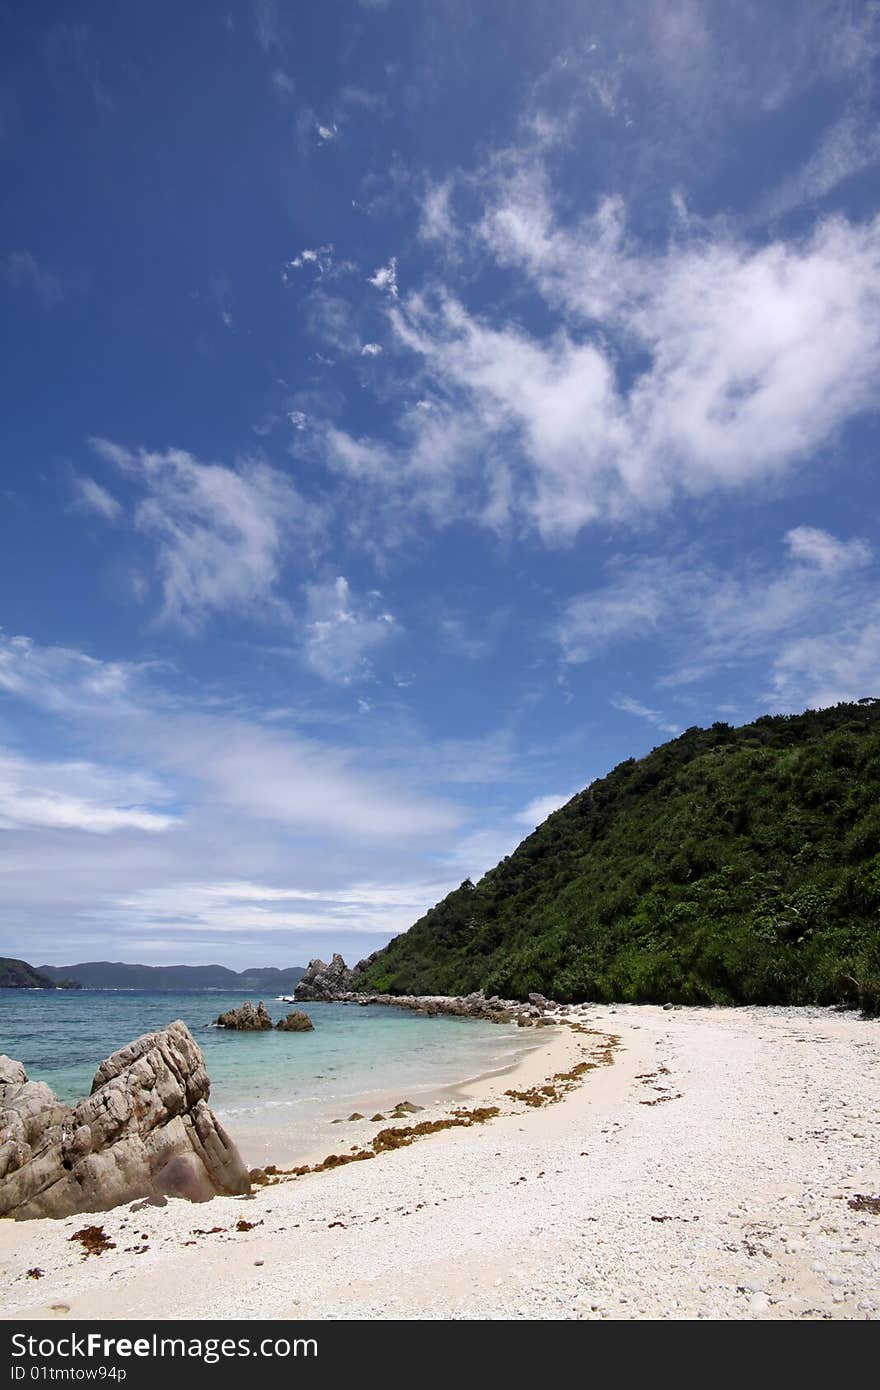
<point>541,807</point>
<point>95,498</point>
<point>437,221</point>
<point>267,25</point>
<point>65,681</point>
<point>342,630</point>
<point>22,270</point>
<point>76,796</point>
<point>782,624</point>
<point>225,759</point>
<point>627,705</point>
<point>819,548</point>
<point>183,785</point>
<point>283,82</point>
<point>220,534</point>
<point>849,147</point>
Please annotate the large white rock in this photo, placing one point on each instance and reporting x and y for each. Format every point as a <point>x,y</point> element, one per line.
<point>144,1130</point>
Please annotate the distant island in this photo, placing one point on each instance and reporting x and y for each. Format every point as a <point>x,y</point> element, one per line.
<point>104,974</point>
<point>17,974</point>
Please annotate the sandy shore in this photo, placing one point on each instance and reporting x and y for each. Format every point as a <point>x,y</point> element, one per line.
<point>710,1170</point>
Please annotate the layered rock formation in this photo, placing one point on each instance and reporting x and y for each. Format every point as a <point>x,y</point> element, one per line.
<point>145,1130</point>
<point>247,1018</point>
<point>323,983</point>
<point>297,1022</point>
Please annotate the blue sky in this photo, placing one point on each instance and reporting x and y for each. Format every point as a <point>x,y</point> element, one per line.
<point>410,410</point>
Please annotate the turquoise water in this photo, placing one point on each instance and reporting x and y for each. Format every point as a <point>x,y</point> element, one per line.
<point>276,1092</point>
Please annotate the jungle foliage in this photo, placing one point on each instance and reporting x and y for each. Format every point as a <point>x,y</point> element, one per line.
<point>730,865</point>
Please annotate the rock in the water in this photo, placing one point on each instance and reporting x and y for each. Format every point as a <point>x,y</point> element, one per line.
<point>323,982</point>
<point>247,1018</point>
<point>297,1022</point>
<point>145,1131</point>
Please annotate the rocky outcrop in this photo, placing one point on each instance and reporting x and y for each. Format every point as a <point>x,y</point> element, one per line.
<point>476,1005</point>
<point>297,1022</point>
<point>324,983</point>
<point>247,1018</point>
<point>335,983</point>
<point>144,1131</point>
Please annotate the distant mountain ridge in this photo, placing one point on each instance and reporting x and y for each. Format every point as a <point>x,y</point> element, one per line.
<point>105,974</point>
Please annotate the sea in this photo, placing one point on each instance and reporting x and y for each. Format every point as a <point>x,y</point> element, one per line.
<point>278,1094</point>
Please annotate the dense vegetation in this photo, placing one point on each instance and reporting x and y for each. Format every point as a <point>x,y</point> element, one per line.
<point>729,865</point>
<point>105,974</point>
<point>17,974</point>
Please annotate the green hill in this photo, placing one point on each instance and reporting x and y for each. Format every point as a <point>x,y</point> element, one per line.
<point>17,974</point>
<point>729,865</point>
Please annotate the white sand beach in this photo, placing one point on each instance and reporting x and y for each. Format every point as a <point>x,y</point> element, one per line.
<point>711,1170</point>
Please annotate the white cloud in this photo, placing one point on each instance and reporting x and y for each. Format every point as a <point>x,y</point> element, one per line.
<point>326,133</point>
<point>627,705</point>
<point>634,604</point>
<point>312,838</point>
<point>233,907</point>
<point>318,257</point>
<point>842,663</point>
<point>361,458</point>
<point>75,796</point>
<point>541,807</point>
<point>713,365</point>
<point>342,630</point>
<point>850,146</point>
<point>437,222</point>
<point>220,534</point>
<point>816,547</point>
<point>806,628</point>
<point>480,851</point>
<point>385,278</point>
<point>756,354</point>
<point>65,681</point>
<point>371,350</point>
<point>95,498</point>
<point>223,760</point>
<point>331,318</point>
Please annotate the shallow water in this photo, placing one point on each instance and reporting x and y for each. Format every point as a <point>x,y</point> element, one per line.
<point>282,1084</point>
